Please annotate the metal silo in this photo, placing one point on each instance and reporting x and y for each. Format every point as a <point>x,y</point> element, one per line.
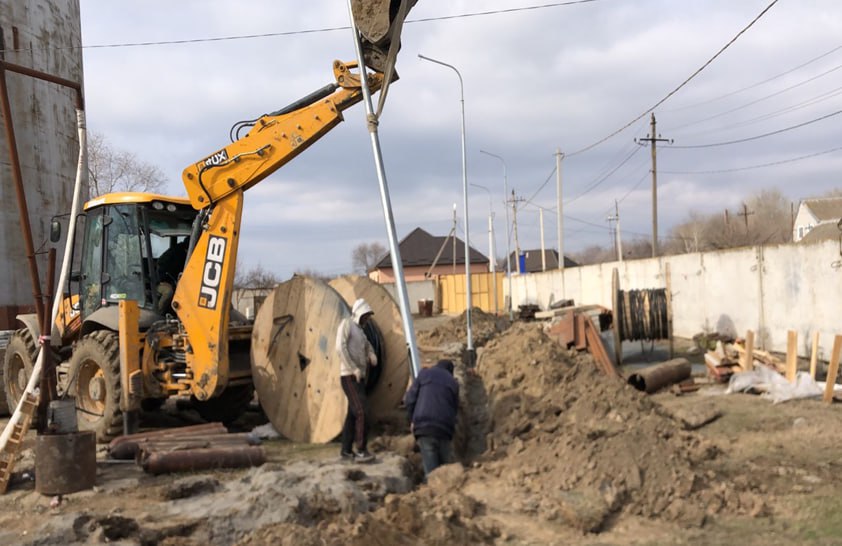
<point>44,36</point>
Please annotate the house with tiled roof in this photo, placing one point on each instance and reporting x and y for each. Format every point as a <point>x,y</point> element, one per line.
<point>423,254</point>
<point>813,213</point>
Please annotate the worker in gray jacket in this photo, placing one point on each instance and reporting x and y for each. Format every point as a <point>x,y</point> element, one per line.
<point>355,355</point>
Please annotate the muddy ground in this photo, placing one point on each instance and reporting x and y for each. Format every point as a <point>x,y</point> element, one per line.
<point>551,452</point>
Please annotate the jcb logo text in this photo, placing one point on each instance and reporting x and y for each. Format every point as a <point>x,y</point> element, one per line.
<point>212,272</point>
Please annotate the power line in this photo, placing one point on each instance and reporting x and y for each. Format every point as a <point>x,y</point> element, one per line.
<point>758,84</point>
<point>528,201</point>
<point>307,31</point>
<point>761,99</point>
<point>674,91</point>
<point>638,183</point>
<point>809,102</point>
<point>757,137</point>
<point>736,169</point>
<point>594,185</point>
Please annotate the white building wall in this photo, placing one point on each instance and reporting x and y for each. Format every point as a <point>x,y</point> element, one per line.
<point>415,290</point>
<point>804,220</point>
<point>766,289</point>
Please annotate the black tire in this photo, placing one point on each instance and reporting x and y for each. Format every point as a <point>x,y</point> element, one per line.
<point>94,380</point>
<point>17,366</point>
<point>228,406</point>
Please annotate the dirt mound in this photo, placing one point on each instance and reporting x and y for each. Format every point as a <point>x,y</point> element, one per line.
<point>437,514</point>
<point>551,448</point>
<point>579,446</point>
<point>484,326</point>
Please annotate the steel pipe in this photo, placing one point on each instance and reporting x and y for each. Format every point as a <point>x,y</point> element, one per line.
<point>662,375</point>
<point>162,462</point>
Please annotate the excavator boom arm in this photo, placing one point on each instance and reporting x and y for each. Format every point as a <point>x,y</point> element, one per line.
<point>215,186</point>
<point>275,139</point>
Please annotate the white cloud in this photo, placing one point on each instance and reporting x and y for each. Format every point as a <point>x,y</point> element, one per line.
<point>535,80</point>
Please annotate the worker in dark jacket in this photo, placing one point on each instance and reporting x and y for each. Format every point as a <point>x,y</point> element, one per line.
<point>432,403</point>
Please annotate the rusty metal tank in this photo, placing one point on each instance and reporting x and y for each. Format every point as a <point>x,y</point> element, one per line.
<point>46,36</point>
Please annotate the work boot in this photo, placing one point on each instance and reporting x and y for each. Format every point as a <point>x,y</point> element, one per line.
<point>346,455</point>
<point>363,456</point>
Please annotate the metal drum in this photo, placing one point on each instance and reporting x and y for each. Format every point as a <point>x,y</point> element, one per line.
<point>65,463</point>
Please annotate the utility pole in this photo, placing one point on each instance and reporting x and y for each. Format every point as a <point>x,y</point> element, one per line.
<point>653,140</point>
<point>618,240</point>
<point>514,227</point>
<point>453,238</point>
<point>492,246</point>
<point>619,235</point>
<point>543,252</point>
<point>745,214</point>
<point>558,157</point>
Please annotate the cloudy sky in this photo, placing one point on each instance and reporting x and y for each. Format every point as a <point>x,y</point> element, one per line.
<point>538,76</point>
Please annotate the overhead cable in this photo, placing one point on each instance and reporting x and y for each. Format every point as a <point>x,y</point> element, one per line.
<point>736,169</point>
<point>674,91</point>
<point>311,31</point>
<point>761,99</point>
<point>757,137</point>
<point>758,84</point>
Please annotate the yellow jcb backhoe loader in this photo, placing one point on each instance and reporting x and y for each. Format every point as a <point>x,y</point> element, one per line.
<point>124,339</point>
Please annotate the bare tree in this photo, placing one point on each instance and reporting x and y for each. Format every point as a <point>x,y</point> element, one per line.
<point>112,170</point>
<point>255,278</point>
<point>366,255</point>
<point>593,254</point>
<point>312,273</point>
<point>768,218</point>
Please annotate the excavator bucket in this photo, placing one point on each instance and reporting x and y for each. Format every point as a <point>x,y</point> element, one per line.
<point>379,23</point>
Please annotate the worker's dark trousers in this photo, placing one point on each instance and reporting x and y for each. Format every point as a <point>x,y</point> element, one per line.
<point>355,428</point>
<point>434,452</point>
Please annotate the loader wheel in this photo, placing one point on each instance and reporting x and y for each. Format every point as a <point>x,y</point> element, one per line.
<point>17,366</point>
<point>226,407</point>
<point>94,380</point>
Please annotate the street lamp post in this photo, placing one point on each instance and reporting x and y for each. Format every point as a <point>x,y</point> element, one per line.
<point>492,248</point>
<point>505,208</point>
<point>469,302</point>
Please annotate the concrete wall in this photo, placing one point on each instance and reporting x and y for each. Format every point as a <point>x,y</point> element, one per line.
<point>766,289</point>
<point>43,35</point>
<point>417,290</point>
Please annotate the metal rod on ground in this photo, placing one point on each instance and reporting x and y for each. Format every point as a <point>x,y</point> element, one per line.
<point>65,269</point>
<point>397,264</point>
<point>469,304</point>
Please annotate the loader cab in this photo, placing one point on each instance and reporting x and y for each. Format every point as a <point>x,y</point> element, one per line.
<point>122,237</point>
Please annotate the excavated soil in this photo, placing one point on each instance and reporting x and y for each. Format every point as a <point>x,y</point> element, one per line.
<point>544,436</point>
<point>550,450</point>
<point>444,336</point>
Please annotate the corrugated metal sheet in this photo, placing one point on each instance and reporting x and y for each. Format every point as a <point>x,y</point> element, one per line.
<point>452,292</point>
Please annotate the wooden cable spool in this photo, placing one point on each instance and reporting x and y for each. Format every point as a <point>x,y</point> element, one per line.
<point>294,362</point>
<point>387,392</point>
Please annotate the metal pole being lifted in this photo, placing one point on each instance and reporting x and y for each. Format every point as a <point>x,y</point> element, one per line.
<point>397,264</point>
